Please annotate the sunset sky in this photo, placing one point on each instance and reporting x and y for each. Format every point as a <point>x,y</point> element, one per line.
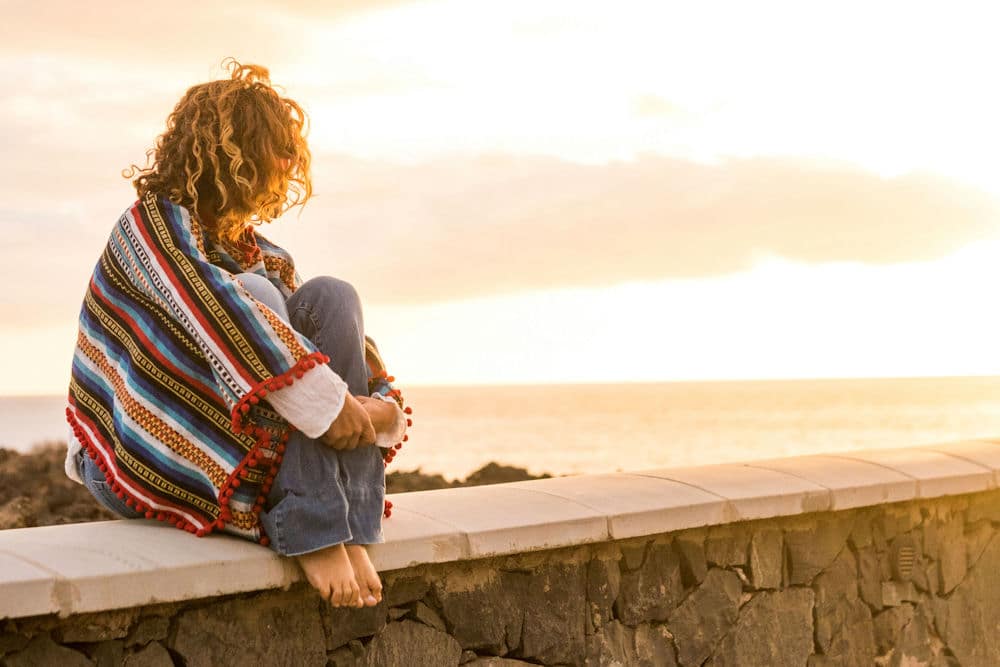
<point>546,191</point>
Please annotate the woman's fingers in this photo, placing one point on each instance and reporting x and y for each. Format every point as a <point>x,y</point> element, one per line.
<point>368,436</point>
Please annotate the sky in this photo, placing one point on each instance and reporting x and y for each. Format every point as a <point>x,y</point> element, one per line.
<point>544,192</point>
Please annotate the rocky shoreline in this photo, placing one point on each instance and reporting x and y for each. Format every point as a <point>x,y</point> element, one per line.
<point>34,490</point>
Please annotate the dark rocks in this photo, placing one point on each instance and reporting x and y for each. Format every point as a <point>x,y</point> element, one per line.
<point>869,578</point>
<point>401,589</point>
<point>650,592</point>
<point>951,556</point>
<point>726,546</point>
<point>272,628</point>
<point>613,645</point>
<point>705,616</point>
<point>153,655</point>
<point>810,549</point>
<point>408,643</point>
<point>536,613</point>
<point>148,629</point>
<point>654,646</point>
<point>424,614</point>
<point>889,627</point>
<point>694,564</point>
<point>106,625</point>
<point>766,558</point>
<point>108,654</point>
<point>773,628</point>
<point>42,650</point>
<point>784,591</point>
<point>603,587</point>
<point>481,611</point>
<point>972,613</point>
<point>554,604</point>
<point>843,622</point>
<point>342,624</point>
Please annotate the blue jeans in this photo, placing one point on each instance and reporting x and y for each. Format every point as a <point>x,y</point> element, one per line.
<point>320,496</point>
<point>97,484</point>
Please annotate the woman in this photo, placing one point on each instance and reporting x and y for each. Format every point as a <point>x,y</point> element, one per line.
<point>211,388</point>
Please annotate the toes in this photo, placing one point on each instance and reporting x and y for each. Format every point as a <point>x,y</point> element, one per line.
<point>354,595</point>
<point>343,596</point>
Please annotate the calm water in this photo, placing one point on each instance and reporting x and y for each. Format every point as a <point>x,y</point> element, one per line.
<point>604,428</point>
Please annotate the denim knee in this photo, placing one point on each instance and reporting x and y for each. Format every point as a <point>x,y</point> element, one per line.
<point>329,293</point>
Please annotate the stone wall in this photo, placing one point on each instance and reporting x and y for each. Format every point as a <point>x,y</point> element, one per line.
<point>915,583</point>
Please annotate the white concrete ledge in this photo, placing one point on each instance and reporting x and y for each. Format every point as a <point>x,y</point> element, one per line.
<point>117,564</point>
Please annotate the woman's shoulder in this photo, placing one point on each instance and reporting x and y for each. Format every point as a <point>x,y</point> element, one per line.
<point>271,249</point>
<point>153,207</point>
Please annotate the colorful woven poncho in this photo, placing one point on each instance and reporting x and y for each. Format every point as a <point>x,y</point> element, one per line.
<point>173,364</point>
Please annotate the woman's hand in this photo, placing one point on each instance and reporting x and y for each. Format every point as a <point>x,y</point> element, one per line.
<point>351,428</point>
<point>382,413</point>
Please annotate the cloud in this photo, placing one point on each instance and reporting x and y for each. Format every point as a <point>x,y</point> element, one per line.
<point>188,32</point>
<point>468,226</point>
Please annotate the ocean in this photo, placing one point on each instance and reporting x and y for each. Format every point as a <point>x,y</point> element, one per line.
<point>569,429</point>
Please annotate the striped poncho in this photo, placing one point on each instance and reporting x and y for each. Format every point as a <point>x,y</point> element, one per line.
<point>173,364</point>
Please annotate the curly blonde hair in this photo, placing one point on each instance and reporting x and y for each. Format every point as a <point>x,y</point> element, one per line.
<point>234,151</point>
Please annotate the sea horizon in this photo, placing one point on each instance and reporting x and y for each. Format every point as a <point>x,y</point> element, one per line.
<point>573,428</point>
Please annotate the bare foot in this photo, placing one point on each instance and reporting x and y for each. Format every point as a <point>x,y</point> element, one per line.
<point>330,572</point>
<point>367,577</point>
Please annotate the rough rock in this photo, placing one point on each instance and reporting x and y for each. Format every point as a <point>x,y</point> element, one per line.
<point>983,508</point>
<point>654,646</point>
<point>353,655</point>
<point>10,642</point>
<point>480,611</point>
<point>726,546</point>
<point>342,624</point>
<point>951,556</point>
<point>970,616</point>
<point>633,554</point>
<point>889,627</point>
<point>977,537</point>
<point>424,614</point>
<point>611,646</point>
<point>773,628</point>
<point>497,662</point>
<point>43,651</point>
<point>869,578</point>
<point>705,616</point>
<point>539,612</point>
<point>843,622</point>
<point>694,564</point>
<point>97,627</point>
<point>277,629</point>
<point>554,604</point>
<point>652,591</point>
<point>914,645</point>
<point>845,633</point>
<point>152,628</point>
<point>107,654</point>
<point>811,549</point>
<point>400,590</point>
<point>766,558</point>
<point>408,643</point>
<point>603,585</point>
<point>153,655</point>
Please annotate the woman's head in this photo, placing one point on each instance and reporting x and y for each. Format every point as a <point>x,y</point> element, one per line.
<point>234,151</point>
